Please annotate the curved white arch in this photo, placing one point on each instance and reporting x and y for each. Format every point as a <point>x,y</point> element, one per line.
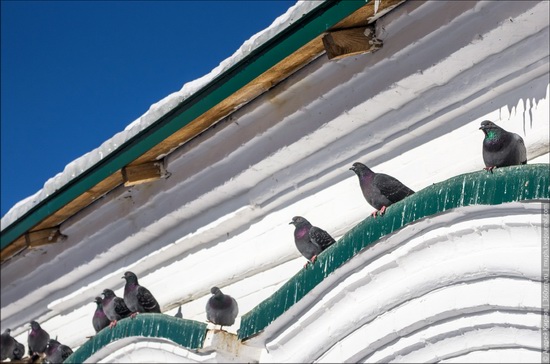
<point>435,277</point>
<point>139,349</point>
<point>506,355</point>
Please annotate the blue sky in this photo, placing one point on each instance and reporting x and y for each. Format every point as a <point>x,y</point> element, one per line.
<point>74,73</point>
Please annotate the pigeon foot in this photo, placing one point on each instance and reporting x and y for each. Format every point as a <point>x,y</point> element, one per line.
<point>133,315</point>
<point>113,324</point>
<point>489,169</point>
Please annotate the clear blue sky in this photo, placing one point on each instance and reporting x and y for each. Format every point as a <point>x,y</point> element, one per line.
<point>74,73</point>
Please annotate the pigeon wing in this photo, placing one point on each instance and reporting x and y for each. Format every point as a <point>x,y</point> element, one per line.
<point>120,308</point>
<point>65,351</point>
<point>320,237</point>
<point>147,301</point>
<point>391,187</point>
<point>522,151</point>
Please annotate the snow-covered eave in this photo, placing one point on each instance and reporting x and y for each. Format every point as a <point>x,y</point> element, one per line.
<point>297,28</point>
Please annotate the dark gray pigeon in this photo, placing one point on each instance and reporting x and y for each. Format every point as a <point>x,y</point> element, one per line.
<point>56,353</point>
<point>99,320</point>
<point>179,314</point>
<point>221,309</point>
<point>7,345</point>
<point>310,240</point>
<point>501,148</point>
<point>37,339</point>
<point>10,348</point>
<point>379,189</point>
<point>138,298</point>
<point>114,307</point>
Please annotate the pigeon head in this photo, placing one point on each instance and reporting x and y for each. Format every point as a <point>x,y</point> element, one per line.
<point>7,331</point>
<point>488,127</point>
<point>130,277</point>
<point>215,291</point>
<point>98,300</point>
<point>35,325</point>
<point>299,221</point>
<point>360,169</point>
<point>52,343</point>
<point>108,293</point>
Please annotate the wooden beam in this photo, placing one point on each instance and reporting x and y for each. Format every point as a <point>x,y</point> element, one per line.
<point>13,249</point>
<point>143,173</point>
<point>44,237</point>
<point>348,42</point>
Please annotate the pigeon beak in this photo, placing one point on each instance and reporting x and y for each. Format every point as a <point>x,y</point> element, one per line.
<point>290,223</point>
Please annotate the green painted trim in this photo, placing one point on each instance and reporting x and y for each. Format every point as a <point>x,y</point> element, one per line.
<point>187,333</point>
<point>257,62</point>
<point>517,183</point>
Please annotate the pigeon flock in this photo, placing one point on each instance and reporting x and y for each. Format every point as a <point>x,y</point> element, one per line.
<point>500,149</point>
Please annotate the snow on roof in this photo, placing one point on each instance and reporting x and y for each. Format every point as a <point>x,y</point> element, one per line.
<point>155,112</point>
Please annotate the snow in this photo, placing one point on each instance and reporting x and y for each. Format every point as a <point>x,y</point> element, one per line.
<point>155,112</point>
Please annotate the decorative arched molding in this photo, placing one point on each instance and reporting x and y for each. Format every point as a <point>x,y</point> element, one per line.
<point>505,185</point>
<point>431,281</point>
<point>182,333</point>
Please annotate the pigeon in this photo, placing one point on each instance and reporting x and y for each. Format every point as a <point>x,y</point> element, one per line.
<point>221,309</point>
<point>310,240</point>
<point>501,148</point>
<point>114,307</point>
<point>10,348</point>
<point>37,339</point>
<point>56,353</point>
<point>138,298</point>
<point>99,320</point>
<point>379,189</point>
<point>7,345</point>
<point>179,314</point>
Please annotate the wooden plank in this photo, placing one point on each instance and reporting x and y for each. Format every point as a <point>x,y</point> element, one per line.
<point>13,249</point>
<point>82,201</point>
<point>348,42</point>
<point>44,237</point>
<point>142,173</point>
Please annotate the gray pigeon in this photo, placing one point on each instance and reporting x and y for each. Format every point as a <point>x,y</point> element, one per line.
<point>37,339</point>
<point>10,348</point>
<point>7,345</point>
<point>379,189</point>
<point>310,240</point>
<point>56,353</point>
<point>138,298</point>
<point>179,314</point>
<point>99,320</point>
<point>114,307</point>
<point>221,309</point>
<point>501,148</point>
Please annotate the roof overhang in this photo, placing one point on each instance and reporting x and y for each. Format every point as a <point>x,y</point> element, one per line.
<point>267,65</point>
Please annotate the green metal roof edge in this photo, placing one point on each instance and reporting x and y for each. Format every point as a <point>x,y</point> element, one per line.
<point>187,333</point>
<point>509,184</point>
<point>257,62</point>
